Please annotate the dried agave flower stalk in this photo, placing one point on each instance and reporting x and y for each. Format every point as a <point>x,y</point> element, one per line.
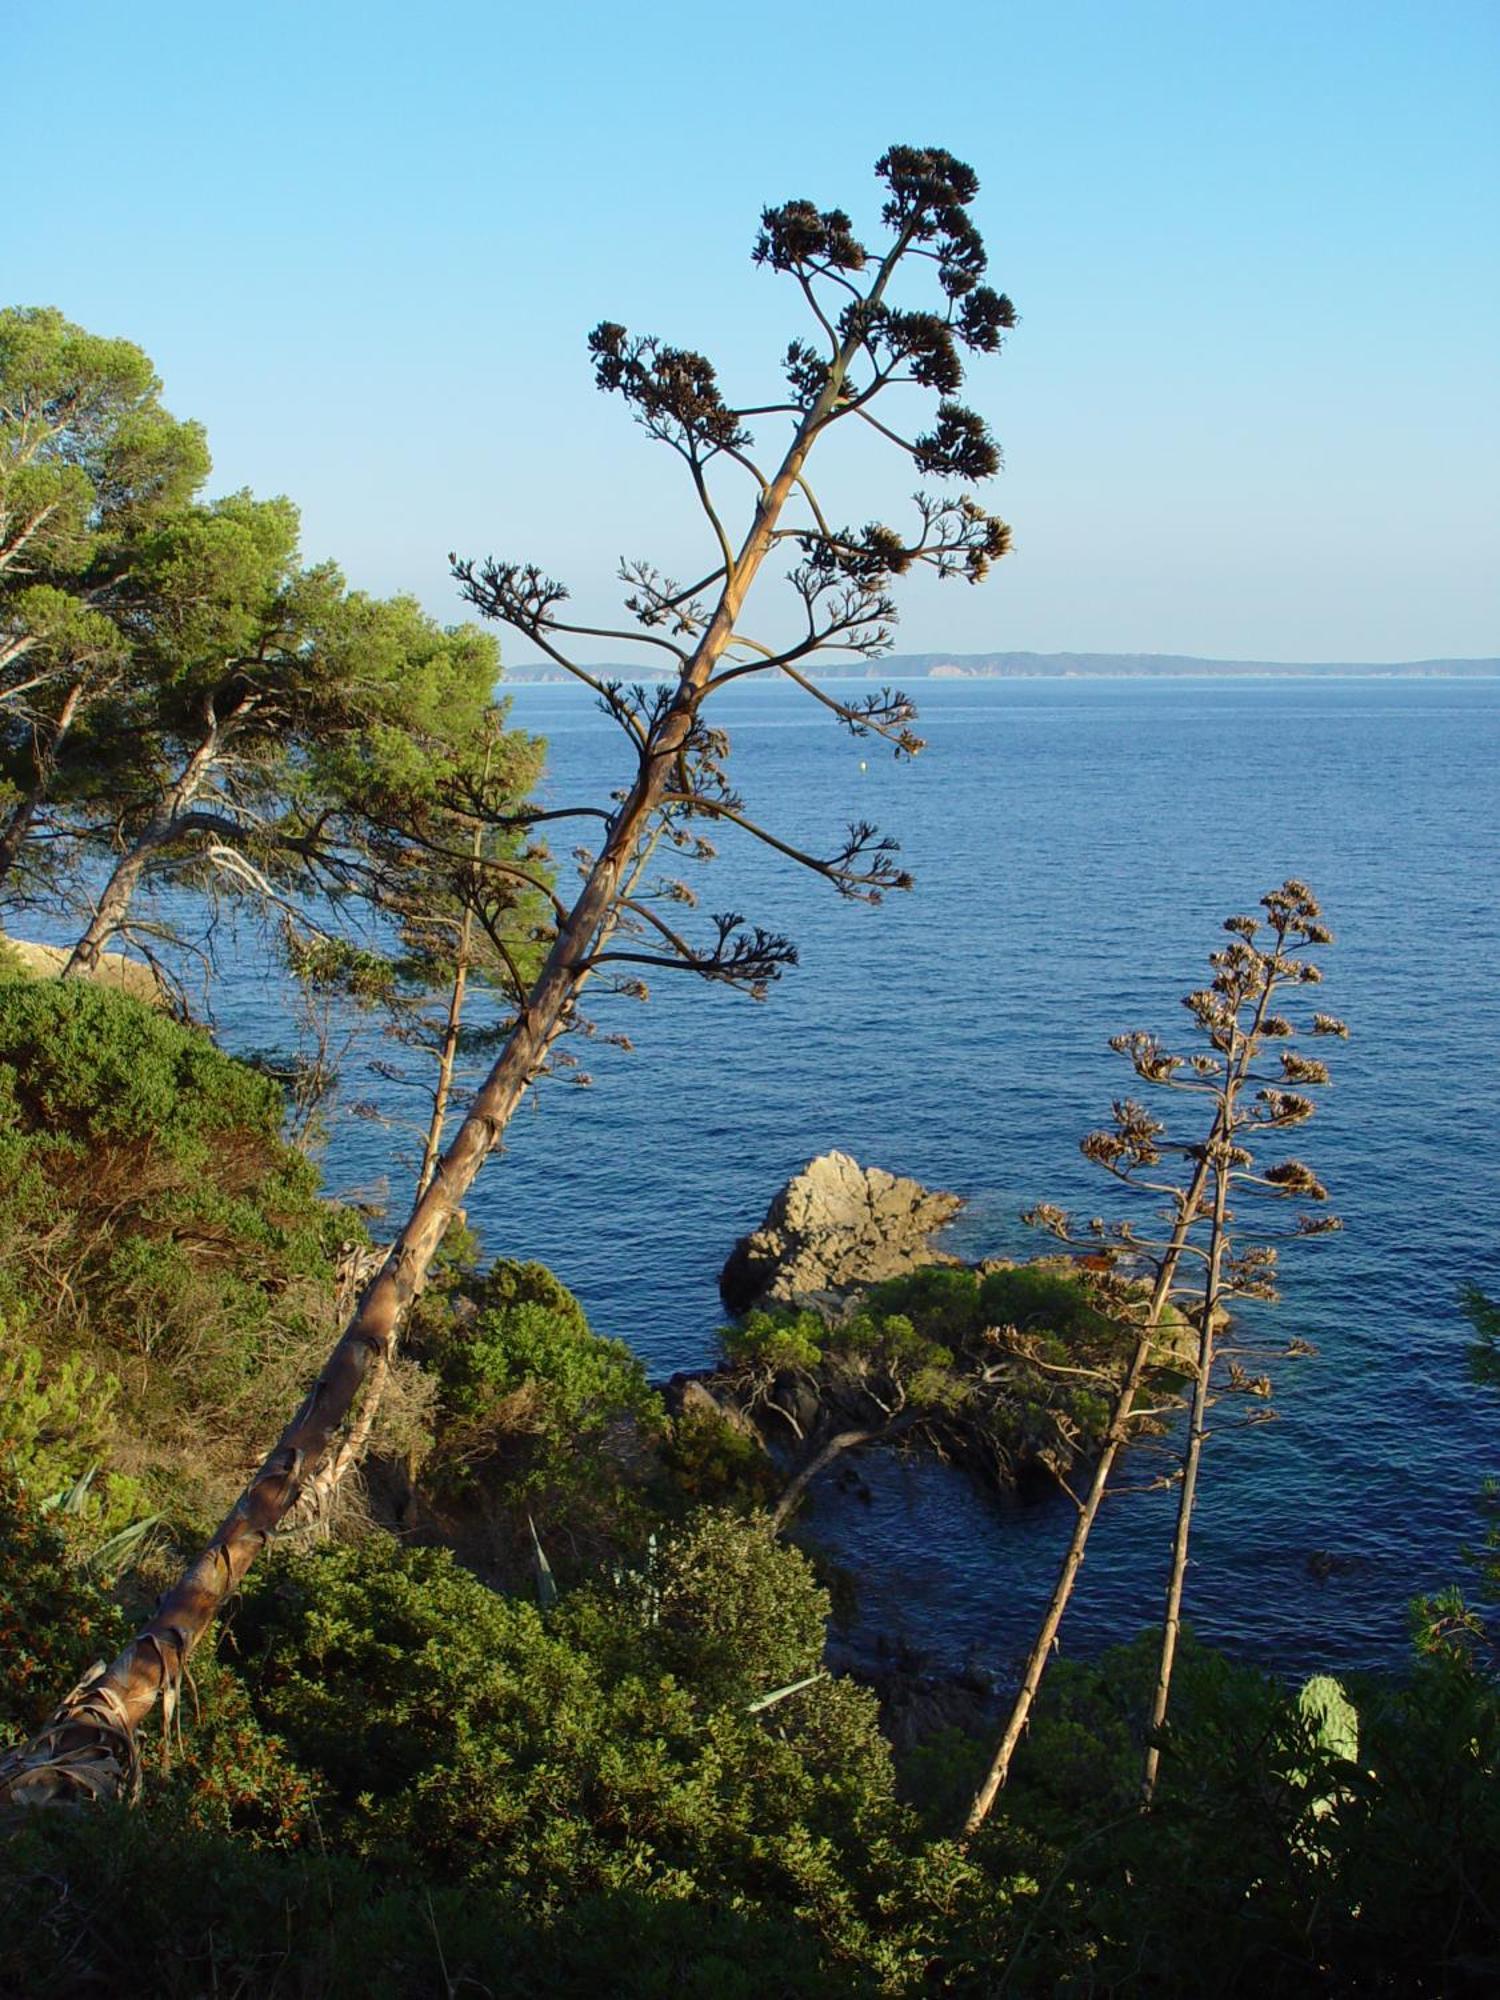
<point>1185,1263</point>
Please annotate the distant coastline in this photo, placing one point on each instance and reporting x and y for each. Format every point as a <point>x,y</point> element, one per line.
<point>1078,666</point>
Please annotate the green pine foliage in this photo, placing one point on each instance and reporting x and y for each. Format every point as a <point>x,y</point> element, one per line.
<point>1004,1370</point>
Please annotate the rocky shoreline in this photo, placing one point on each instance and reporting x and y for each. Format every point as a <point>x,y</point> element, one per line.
<point>845,1311</point>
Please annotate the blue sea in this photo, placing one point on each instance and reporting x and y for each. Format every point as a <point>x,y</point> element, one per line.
<point>1076,845</point>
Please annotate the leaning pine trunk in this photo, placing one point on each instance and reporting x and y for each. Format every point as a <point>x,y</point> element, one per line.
<point>823,1457</point>
<point>89,1748</point>
<point>119,892</point>
<point>114,904</point>
<point>447,1056</point>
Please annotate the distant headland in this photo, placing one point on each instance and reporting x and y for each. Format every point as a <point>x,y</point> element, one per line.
<point>1067,666</point>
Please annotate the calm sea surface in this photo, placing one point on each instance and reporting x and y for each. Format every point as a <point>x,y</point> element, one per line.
<point>1075,844</point>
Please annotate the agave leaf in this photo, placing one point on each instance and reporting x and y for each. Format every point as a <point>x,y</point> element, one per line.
<point>116,1550</point>
<point>1330,1716</point>
<point>780,1694</point>
<point>72,1499</point>
<point>546,1582</point>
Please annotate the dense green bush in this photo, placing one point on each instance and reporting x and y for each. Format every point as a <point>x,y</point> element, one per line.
<point>539,1423</point>
<point>82,1060</point>
<point>709,1460</point>
<point>117,1902</point>
<point>1041,1297</point>
<point>868,1339</point>
<point>942,1299</point>
<point>58,1425</point>
<point>158,1239</point>
<point>991,1372</point>
<point>520,1349</point>
<point>953,1304</point>
<point>398,1780</point>
<point>737,1613</point>
<point>607,1749</point>
<point>54,1620</point>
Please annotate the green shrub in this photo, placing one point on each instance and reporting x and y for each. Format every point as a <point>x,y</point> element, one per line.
<point>538,1421</point>
<point>943,1301</point>
<point>155,1233</point>
<point>780,1340</point>
<point>602,1749</point>
<point>1042,1298</point>
<point>81,1059</point>
<point>54,1621</point>
<point>710,1461</point>
<point>230,1775</point>
<point>526,1334</point>
<point>739,1613</point>
<point>57,1425</point>
<point>775,1340</point>
<point>114,1901</point>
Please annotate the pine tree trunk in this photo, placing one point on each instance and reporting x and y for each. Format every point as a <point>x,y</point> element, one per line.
<point>824,1456</point>
<point>114,903</point>
<point>447,1056</point>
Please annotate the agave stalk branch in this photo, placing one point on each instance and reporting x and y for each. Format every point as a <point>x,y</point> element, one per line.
<point>112,1703</point>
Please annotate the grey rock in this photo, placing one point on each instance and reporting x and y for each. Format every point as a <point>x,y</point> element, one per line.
<point>703,1395</point>
<point>834,1227</point>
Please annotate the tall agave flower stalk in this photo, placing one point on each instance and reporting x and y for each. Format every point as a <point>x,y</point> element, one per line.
<point>861,346</point>
<point>1183,1269</point>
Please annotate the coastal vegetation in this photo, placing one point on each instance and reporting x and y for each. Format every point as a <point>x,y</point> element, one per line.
<point>507,1669</point>
<point>1185,1257</point>
<point>417,1759</point>
<point>543,1702</point>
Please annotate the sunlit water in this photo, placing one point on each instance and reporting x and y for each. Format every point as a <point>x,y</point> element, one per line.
<point>1076,844</point>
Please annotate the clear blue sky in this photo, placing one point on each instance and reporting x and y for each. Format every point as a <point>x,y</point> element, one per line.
<point>1250,409</point>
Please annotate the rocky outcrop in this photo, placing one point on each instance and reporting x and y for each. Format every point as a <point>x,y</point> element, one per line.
<point>705,1394</point>
<point>833,1228</point>
<point>46,961</point>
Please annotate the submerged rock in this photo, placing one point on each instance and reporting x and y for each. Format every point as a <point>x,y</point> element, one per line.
<point>834,1227</point>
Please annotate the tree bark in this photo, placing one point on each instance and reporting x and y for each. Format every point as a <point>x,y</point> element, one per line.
<point>447,1056</point>
<point>824,1456</point>
<point>119,892</point>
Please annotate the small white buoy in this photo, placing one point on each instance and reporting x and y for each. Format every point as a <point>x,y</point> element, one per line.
<point>863,765</point>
